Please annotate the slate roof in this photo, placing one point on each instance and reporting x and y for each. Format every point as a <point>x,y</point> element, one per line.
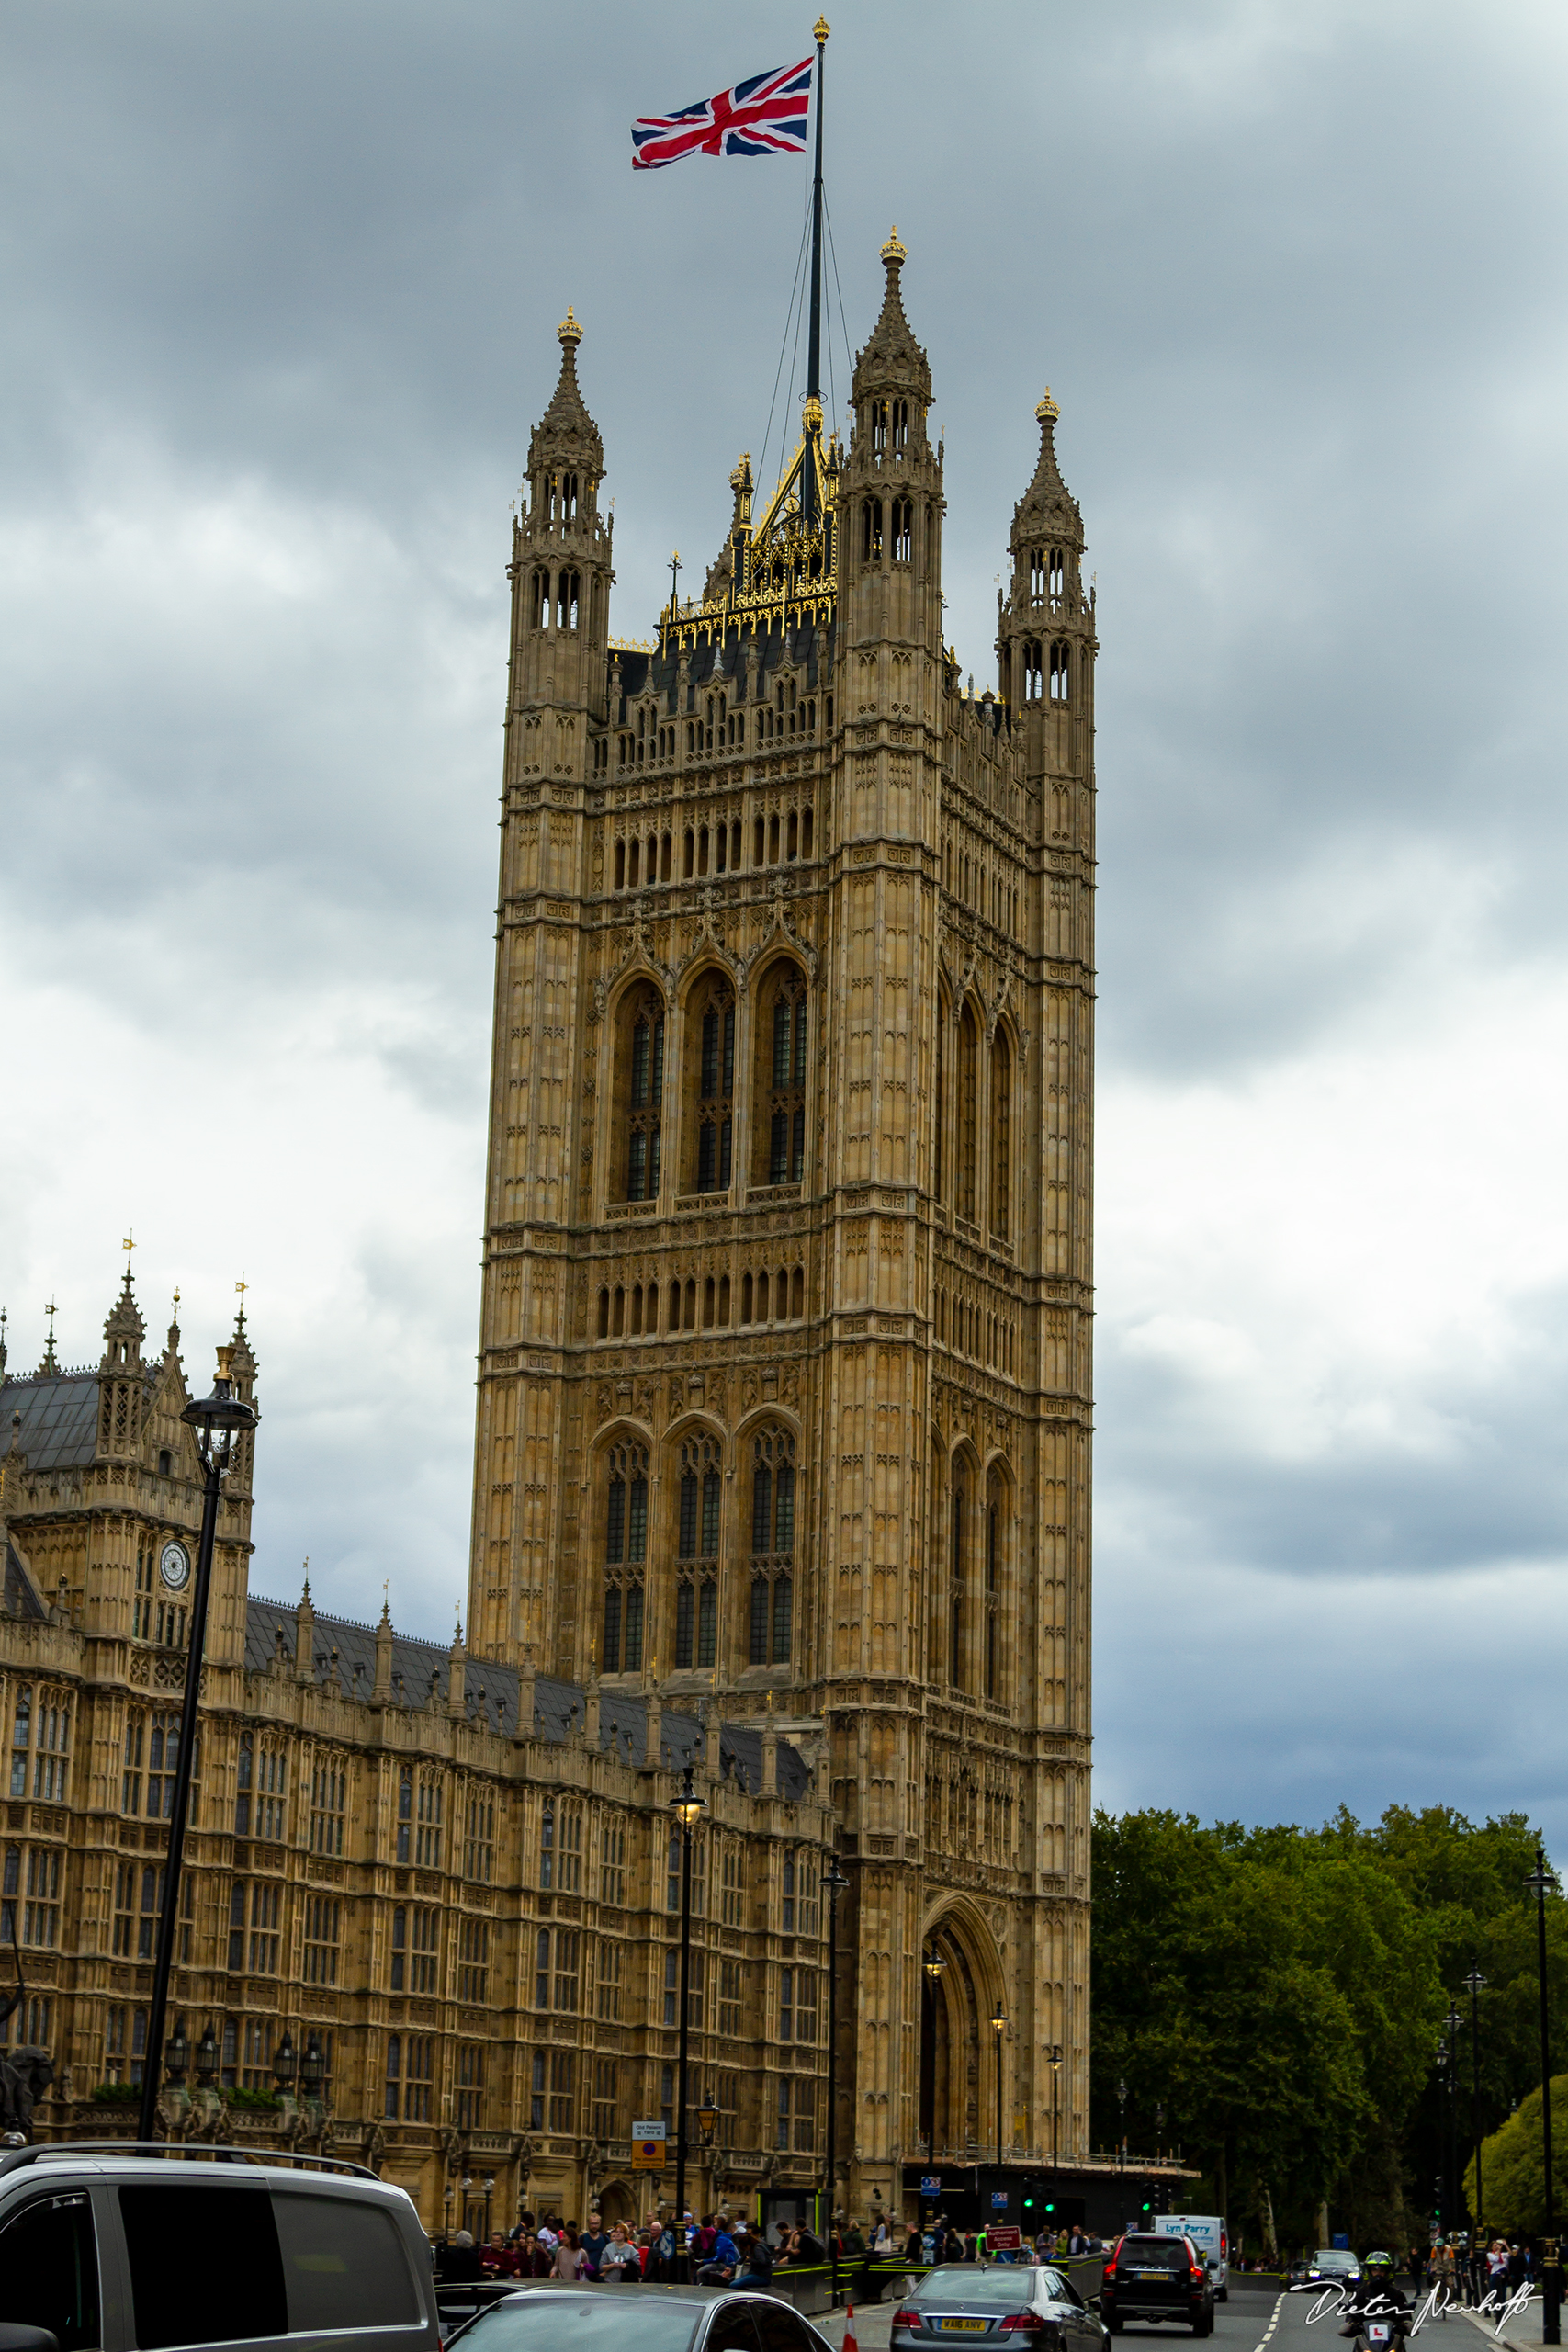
<point>347,1651</point>
<point>21,1600</point>
<point>60,1419</point>
<point>642,671</point>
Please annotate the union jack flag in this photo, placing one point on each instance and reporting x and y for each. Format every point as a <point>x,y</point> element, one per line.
<point>763,116</point>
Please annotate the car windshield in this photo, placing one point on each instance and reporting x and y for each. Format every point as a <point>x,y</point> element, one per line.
<point>1154,2254</point>
<point>540,2320</point>
<point>967,2283</point>
<point>1333,2257</point>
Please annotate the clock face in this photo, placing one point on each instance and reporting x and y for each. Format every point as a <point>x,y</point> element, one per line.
<point>174,1567</point>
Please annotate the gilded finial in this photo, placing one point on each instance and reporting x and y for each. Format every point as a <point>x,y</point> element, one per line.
<point>127,1245</point>
<point>893,254</point>
<point>811,414</point>
<point>819,31</point>
<point>568,330</point>
<point>1047,411</point>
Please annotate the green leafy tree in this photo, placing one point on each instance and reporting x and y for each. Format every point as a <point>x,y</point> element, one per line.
<point>1513,2165</point>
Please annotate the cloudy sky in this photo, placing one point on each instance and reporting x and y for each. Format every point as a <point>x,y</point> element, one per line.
<point>279,287</point>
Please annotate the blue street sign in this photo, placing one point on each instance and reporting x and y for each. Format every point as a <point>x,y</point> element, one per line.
<point>999,2201</point>
<point>930,2183</point>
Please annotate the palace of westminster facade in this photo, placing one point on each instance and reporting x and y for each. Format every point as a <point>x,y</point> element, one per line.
<point>781,1465</point>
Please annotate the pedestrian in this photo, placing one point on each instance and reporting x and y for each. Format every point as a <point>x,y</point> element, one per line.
<point>618,2264</point>
<point>595,2238</point>
<point>500,2259</point>
<point>568,2255</point>
<point>463,2260</point>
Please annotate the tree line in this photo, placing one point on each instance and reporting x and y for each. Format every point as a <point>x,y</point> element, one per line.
<point>1273,2000</point>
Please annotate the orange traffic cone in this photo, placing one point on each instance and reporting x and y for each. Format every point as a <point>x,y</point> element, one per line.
<point>849,2343</point>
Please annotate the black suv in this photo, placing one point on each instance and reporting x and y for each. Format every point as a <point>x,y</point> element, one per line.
<point>1156,2278</point>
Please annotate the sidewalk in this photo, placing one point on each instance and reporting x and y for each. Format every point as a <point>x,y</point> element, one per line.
<point>1523,2332</point>
<point>873,2327</point>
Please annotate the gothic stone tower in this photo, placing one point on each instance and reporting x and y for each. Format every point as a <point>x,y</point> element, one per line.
<point>784,1386</point>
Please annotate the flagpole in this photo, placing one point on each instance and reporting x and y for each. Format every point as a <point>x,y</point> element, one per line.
<point>814,347</point>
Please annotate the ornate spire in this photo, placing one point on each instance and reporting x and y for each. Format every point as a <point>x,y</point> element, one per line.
<point>242,1360</point>
<point>123,1330</point>
<point>1047,509</point>
<point>892,361</point>
<point>48,1369</point>
<point>566,434</point>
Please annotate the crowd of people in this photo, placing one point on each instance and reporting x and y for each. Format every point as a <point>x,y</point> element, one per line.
<point>1471,2269</point>
<point>722,2249</point>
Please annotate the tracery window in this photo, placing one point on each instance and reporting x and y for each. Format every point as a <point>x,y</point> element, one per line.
<point>1001,1091</point>
<point>644,1034</point>
<point>781,1127</point>
<point>903,530</point>
<point>697,1583</point>
<point>626,1556</point>
<point>1058,673</point>
<point>967,1076</point>
<point>955,1590</point>
<point>772,1546</point>
<point>1033,671</point>
<point>711,1033</point>
<point>871,530</point>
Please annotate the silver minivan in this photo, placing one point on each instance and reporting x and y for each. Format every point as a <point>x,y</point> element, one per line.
<point>108,2249</point>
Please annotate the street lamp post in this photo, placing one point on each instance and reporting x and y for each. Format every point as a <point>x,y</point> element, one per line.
<point>489,2180</point>
<point>834,1883</point>
<point>1452,2024</point>
<point>219,1422</point>
<point>689,1809</point>
<point>1539,1882</point>
<point>934,1965</point>
<point>998,2027</point>
<point>1443,2056</point>
<point>1056,2112</point>
<point>1473,1984</point>
<point>1121,2104</point>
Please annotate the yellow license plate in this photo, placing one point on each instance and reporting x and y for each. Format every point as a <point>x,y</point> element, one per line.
<point>964,2326</point>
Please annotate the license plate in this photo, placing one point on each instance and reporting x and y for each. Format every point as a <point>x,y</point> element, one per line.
<point>964,2326</point>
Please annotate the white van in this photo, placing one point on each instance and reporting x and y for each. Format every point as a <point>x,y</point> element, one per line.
<point>1209,2235</point>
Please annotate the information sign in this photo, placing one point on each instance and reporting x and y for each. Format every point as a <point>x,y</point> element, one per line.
<point>647,2147</point>
<point>1004,2236</point>
<point>999,2201</point>
<point>930,2183</point>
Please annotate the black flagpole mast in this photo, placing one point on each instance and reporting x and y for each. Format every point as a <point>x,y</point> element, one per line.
<point>814,347</point>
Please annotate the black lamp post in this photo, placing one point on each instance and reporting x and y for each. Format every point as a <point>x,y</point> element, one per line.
<point>998,2027</point>
<point>1451,2025</point>
<point>284,2065</point>
<point>833,1885</point>
<point>207,2059</point>
<point>1473,1984</point>
<point>1056,2111</point>
<point>176,2058</point>
<point>312,2070</point>
<point>1442,2057</point>
<point>689,1809</point>
<point>488,2179</point>
<point>219,1422</point>
<point>934,1965</point>
<point>1539,1881</point>
<point>1122,2104</point>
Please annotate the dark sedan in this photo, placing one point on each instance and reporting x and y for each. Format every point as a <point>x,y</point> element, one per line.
<point>1151,2278</point>
<point>1010,2306</point>
<point>550,2315</point>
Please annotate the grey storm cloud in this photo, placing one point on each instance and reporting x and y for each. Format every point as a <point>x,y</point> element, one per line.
<point>280,292</point>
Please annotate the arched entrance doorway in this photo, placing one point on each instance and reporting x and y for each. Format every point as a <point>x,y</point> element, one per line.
<point>959,1975</point>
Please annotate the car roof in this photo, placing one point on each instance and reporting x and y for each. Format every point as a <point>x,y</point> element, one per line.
<point>50,2157</point>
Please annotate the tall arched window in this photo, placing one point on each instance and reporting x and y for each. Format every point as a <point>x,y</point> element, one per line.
<point>710,1084</point>
<point>956,1590</point>
<point>642,1092</point>
<point>996,1567</point>
<point>780,1122</point>
<point>696,1548</point>
<point>871,530</point>
<point>967,1075</point>
<point>1001,1168</point>
<point>772,1547</point>
<point>903,530</point>
<point>626,1558</point>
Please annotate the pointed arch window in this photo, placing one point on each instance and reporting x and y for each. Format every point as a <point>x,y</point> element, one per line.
<point>1033,671</point>
<point>903,527</point>
<point>780,1123</point>
<point>569,592</point>
<point>1002,1140</point>
<point>1058,672</point>
<point>955,1590</point>
<point>968,1077</point>
<point>540,601</point>
<point>772,1547</point>
<point>644,1094</point>
<point>696,1581</point>
<point>1037,575</point>
<point>711,1049</point>
<point>626,1558</point>
<point>995,1531</point>
<point>871,530</point>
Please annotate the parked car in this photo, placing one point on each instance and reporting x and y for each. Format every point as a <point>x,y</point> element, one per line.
<point>1151,2278</point>
<point>1029,2304</point>
<point>553,2315</point>
<point>108,2245</point>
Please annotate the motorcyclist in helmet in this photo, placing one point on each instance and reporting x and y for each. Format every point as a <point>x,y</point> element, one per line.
<point>1375,2296</point>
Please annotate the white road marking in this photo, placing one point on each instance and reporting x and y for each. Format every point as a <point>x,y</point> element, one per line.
<point>1273,2324</point>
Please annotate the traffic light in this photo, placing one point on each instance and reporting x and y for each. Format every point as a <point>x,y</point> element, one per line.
<point>1051,2208</point>
<point>1029,2201</point>
<point>1149,2205</point>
